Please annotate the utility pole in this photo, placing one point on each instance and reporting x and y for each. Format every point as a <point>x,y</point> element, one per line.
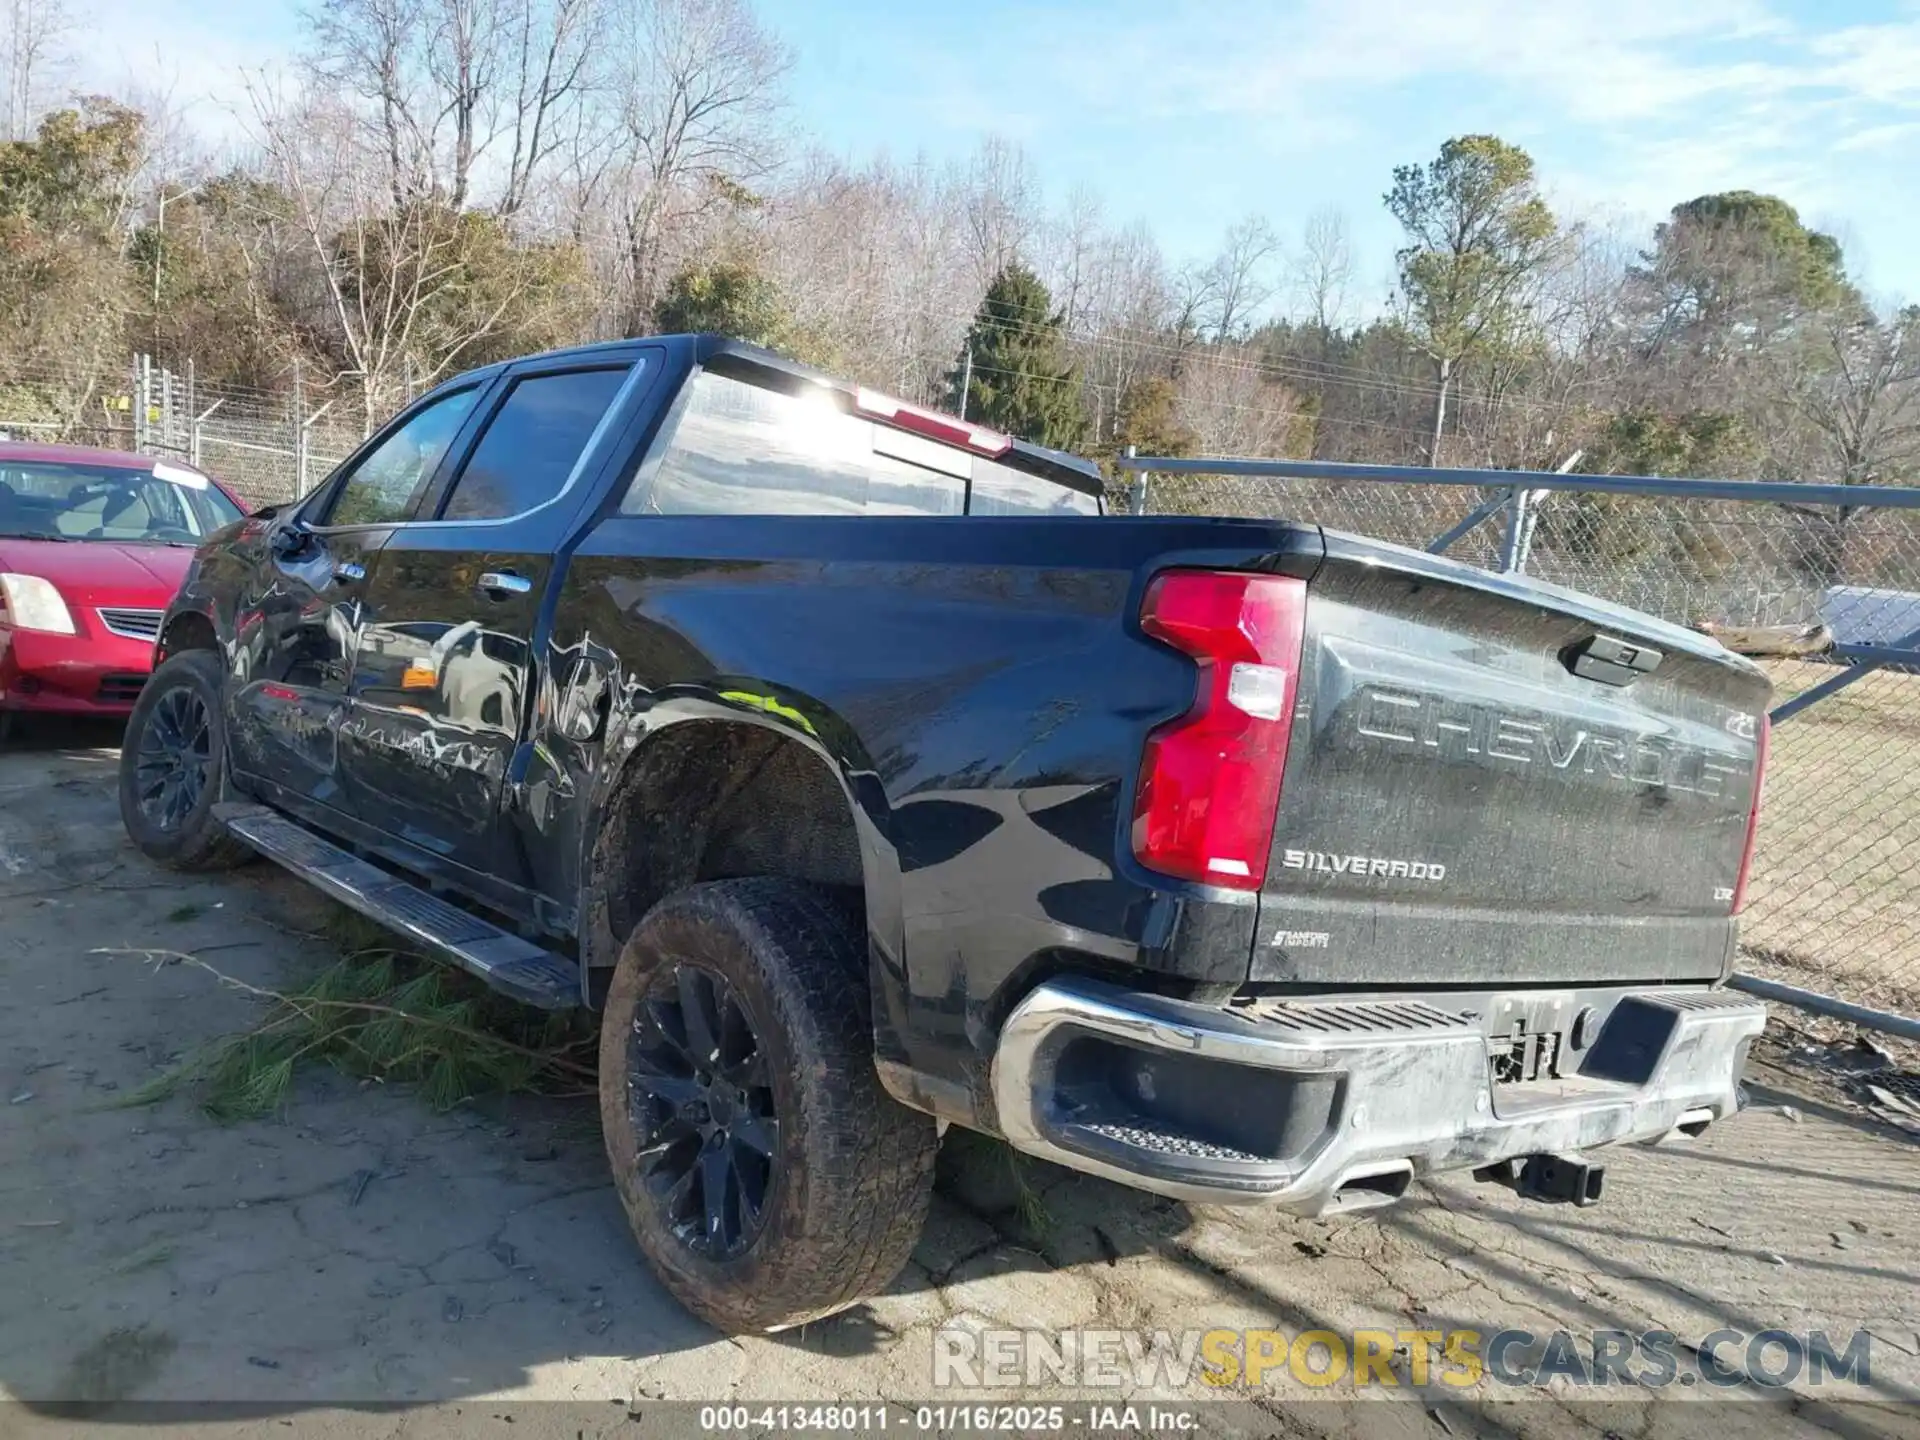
<point>160,249</point>
<point>966,380</point>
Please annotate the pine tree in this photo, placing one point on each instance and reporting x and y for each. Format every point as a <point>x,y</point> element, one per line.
<point>1020,379</point>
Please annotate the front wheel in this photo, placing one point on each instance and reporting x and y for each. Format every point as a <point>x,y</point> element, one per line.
<point>767,1176</point>
<point>173,767</point>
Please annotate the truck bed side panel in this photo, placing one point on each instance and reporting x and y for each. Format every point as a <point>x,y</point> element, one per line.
<point>982,690</point>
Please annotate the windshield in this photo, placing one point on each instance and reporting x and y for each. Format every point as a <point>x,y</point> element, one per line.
<point>169,505</point>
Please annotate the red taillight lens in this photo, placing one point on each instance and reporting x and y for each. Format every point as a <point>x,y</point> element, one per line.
<point>1753,815</point>
<point>1210,781</point>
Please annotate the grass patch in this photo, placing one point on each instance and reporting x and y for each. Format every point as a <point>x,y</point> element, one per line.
<point>145,1258</point>
<point>181,914</point>
<point>994,1181</point>
<point>379,1014</point>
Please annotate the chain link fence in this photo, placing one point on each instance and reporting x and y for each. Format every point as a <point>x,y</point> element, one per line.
<point>1834,899</point>
<point>267,446</point>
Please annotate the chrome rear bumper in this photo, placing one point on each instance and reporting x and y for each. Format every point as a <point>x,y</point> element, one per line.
<point>1321,1105</point>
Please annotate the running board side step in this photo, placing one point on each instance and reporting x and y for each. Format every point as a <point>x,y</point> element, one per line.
<point>517,968</point>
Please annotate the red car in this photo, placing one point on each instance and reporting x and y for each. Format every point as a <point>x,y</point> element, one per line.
<point>93,545</point>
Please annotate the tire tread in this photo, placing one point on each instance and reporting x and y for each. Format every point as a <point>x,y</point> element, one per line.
<point>868,1159</point>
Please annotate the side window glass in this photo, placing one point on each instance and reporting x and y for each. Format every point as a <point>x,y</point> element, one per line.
<point>383,484</point>
<point>534,443</point>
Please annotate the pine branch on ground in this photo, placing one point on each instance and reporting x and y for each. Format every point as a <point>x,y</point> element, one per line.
<point>378,1014</point>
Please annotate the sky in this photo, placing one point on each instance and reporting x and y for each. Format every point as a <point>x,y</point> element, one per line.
<point>1189,114</point>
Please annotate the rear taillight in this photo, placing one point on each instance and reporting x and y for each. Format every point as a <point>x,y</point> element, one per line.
<point>1210,781</point>
<point>1753,814</point>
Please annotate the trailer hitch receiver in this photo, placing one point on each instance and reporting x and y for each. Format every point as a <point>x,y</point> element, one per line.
<point>1566,1179</point>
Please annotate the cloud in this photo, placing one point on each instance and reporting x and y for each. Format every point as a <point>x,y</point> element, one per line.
<point>1880,137</point>
<point>1600,62</point>
<point>1879,63</point>
<point>1625,103</point>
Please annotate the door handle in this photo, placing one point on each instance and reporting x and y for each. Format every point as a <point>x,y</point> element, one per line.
<point>498,584</point>
<point>348,573</point>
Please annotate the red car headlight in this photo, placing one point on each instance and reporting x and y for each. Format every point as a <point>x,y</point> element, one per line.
<point>29,602</point>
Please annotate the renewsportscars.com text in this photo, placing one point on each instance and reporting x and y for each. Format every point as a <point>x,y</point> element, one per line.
<point>985,1359</point>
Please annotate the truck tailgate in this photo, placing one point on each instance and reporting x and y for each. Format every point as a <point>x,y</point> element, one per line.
<point>1495,781</point>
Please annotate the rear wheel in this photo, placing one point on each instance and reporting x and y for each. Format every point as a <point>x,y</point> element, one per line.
<point>767,1176</point>
<point>173,767</point>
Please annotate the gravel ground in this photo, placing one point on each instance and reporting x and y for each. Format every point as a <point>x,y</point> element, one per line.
<point>362,1251</point>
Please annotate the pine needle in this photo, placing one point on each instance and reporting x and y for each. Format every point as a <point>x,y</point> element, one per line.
<point>378,1014</point>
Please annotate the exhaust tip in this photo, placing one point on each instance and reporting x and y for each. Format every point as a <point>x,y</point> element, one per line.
<point>1694,1123</point>
<point>1371,1187</point>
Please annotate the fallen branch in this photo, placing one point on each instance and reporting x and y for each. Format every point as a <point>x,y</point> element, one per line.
<point>306,1004</point>
<point>1770,640</point>
<point>368,1016</point>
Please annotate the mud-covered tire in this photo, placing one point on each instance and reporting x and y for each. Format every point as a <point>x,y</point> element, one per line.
<point>853,1168</point>
<point>191,839</point>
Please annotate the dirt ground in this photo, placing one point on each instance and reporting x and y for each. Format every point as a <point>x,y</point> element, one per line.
<point>362,1249</point>
<point>1835,894</point>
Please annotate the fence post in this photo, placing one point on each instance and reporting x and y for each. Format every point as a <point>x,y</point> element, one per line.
<point>194,427</point>
<point>142,398</point>
<point>1136,488</point>
<point>1513,545</point>
<point>1523,514</point>
<point>299,435</point>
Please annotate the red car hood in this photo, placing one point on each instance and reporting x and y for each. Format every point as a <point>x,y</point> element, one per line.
<point>100,571</point>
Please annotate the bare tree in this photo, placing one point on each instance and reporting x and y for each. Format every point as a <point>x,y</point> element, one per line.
<point>552,45</point>
<point>1859,388</point>
<point>1233,407</point>
<point>366,48</point>
<point>1236,282</point>
<point>697,84</point>
<point>463,58</point>
<point>1002,208</point>
<point>386,271</point>
<point>432,76</point>
<point>1854,383</point>
<point>1323,270</point>
<point>1072,243</point>
<point>1132,304</point>
<point>35,52</point>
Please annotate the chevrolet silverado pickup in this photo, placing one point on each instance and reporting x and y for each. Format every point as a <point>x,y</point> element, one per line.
<point>866,778</point>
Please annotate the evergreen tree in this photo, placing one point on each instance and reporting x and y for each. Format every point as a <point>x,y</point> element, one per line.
<point>1020,379</point>
<point>727,297</point>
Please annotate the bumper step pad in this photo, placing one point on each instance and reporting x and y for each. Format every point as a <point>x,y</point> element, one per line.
<point>1322,1105</point>
<point>517,968</point>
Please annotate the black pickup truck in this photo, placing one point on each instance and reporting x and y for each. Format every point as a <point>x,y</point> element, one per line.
<point>866,778</point>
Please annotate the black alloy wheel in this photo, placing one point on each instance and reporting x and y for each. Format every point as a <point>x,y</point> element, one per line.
<point>700,1098</point>
<point>175,759</point>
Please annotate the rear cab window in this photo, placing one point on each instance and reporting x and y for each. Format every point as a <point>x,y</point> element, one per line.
<point>732,447</point>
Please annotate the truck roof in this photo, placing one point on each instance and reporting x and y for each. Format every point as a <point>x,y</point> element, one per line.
<point>1074,471</point>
